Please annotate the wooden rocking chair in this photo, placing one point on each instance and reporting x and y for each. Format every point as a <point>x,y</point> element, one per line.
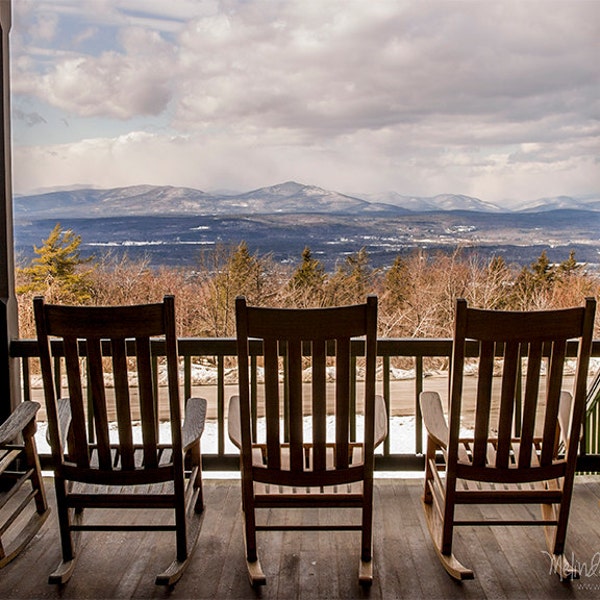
<point>21,485</point>
<point>303,466</point>
<point>513,455</point>
<point>93,470</point>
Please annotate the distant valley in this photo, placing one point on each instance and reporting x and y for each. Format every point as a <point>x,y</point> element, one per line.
<point>171,225</point>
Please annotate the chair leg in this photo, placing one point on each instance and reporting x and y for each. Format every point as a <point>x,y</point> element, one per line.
<point>175,570</point>
<point>33,462</point>
<point>255,572</point>
<point>64,520</point>
<point>448,523</point>
<point>63,572</point>
<point>555,539</point>
<point>250,534</point>
<point>189,515</point>
<point>181,530</point>
<point>453,567</point>
<point>560,534</point>
<point>441,532</point>
<point>195,460</point>
<point>365,572</point>
<point>429,461</point>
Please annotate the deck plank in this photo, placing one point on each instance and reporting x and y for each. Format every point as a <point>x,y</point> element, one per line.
<point>508,562</point>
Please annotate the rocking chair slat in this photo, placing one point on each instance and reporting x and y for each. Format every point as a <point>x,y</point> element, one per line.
<point>534,363</point>
<point>507,402</point>
<point>484,401</point>
<point>123,403</point>
<point>319,405</point>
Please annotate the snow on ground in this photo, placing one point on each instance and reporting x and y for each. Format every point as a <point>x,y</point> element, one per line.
<point>402,430</point>
<point>402,435</point>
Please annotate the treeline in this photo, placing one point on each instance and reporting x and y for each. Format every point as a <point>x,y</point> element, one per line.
<point>416,293</point>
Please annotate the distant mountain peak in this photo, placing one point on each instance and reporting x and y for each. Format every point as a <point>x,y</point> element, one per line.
<point>286,188</point>
<point>589,202</point>
<point>289,197</point>
<point>462,202</point>
<point>435,203</point>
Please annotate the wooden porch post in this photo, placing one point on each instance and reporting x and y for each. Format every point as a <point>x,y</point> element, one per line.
<point>10,391</point>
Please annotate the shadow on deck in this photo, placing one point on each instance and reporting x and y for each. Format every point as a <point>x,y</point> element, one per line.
<point>509,562</point>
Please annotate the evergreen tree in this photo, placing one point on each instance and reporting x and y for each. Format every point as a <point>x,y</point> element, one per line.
<point>244,272</point>
<point>56,271</point>
<point>542,270</point>
<point>352,280</point>
<point>236,273</point>
<point>533,284</point>
<point>396,283</point>
<point>306,282</point>
<point>569,266</point>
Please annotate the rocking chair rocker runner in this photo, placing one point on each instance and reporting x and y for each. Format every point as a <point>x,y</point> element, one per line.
<point>510,459</point>
<point>21,485</point>
<point>301,466</point>
<point>91,470</point>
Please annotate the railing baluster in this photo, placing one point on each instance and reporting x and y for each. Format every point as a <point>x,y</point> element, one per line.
<point>353,399</point>
<point>518,400</point>
<point>57,376</point>
<point>26,379</point>
<point>418,416</point>
<point>90,404</point>
<point>386,399</point>
<point>155,387</point>
<point>286,401</point>
<point>187,376</point>
<point>220,405</point>
<point>253,394</point>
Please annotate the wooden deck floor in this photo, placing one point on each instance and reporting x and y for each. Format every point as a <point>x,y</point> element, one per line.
<point>508,562</point>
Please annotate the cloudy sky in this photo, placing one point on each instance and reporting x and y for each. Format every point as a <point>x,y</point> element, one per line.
<point>494,99</point>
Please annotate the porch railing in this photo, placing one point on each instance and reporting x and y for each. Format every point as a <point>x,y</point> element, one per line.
<point>220,352</point>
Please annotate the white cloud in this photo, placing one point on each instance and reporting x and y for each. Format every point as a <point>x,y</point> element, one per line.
<point>495,99</point>
<point>45,25</point>
<point>118,85</point>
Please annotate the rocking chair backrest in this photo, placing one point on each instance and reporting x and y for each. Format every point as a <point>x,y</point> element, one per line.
<point>541,338</point>
<point>288,336</point>
<point>101,346</point>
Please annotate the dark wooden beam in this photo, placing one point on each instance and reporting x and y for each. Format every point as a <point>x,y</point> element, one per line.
<point>9,380</point>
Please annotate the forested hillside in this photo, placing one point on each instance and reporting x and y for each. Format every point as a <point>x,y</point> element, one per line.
<point>416,294</point>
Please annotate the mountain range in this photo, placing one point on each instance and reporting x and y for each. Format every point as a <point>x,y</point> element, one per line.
<point>285,198</point>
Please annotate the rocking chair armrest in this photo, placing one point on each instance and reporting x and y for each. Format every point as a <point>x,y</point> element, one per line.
<point>433,418</point>
<point>381,420</point>
<point>235,431</point>
<point>193,422</point>
<point>234,425</point>
<point>64,420</point>
<point>564,416</point>
<point>17,421</point>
